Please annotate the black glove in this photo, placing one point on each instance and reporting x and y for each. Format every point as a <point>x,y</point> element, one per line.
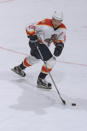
<point>34,39</point>
<point>58,49</point>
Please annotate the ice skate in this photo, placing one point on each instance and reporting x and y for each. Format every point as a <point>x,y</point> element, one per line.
<point>18,71</point>
<point>42,83</point>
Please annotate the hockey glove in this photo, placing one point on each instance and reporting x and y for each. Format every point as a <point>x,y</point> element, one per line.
<point>58,49</point>
<point>34,39</point>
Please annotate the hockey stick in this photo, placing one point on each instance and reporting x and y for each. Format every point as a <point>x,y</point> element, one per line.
<point>63,101</point>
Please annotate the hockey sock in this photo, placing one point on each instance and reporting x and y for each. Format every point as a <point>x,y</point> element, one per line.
<point>22,66</point>
<point>42,75</point>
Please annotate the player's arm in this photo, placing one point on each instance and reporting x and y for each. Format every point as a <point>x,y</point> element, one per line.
<point>35,33</point>
<point>31,33</point>
<point>59,43</point>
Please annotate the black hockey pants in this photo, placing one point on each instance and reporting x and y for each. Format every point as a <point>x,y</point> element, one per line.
<point>43,49</point>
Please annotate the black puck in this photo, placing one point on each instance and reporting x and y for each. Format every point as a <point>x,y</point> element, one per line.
<point>73,104</point>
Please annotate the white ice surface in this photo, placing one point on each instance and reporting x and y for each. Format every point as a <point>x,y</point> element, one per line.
<point>23,107</point>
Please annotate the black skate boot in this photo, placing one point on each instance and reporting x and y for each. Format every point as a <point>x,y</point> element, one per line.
<point>42,83</point>
<point>19,71</point>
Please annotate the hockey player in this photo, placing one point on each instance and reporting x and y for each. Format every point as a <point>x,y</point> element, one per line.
<point>41,35</point>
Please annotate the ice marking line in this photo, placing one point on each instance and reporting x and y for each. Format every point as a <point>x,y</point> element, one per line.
<point>13,51</point>
<point>72,63</point>
<point>5,1</point>
<point>21,53</point>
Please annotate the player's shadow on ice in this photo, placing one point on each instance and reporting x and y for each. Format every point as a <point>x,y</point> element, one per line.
<point>38,100</point>
<point>33,98</point>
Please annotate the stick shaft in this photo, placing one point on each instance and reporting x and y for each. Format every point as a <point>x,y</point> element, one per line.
<point>51,76</point>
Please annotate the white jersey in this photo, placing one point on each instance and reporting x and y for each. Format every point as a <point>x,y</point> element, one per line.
<point>44,30</point>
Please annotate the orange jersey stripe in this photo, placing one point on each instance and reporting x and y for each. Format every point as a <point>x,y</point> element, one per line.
<point>62,26</point>
<point>30,32</point>
<point>60,41</point>
<point>47,22</point>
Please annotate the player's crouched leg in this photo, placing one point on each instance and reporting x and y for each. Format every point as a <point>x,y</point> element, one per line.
<point>41,82</point>
<point>28,61</point>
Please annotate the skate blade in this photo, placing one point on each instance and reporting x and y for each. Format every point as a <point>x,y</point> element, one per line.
<point>44,87</point>
<point>22,75</point>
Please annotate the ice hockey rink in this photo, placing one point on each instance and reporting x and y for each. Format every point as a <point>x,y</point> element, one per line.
<point>24,107</point>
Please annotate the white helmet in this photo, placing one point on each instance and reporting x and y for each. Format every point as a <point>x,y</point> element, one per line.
<point>57,16</point>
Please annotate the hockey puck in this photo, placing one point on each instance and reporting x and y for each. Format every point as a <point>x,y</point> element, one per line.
<point>73,104</point>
